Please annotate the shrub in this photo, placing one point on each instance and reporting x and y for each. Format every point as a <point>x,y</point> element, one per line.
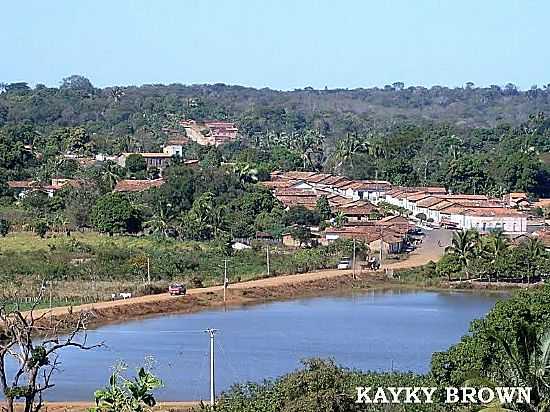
<point>4,227</point>
<point>41,228</point>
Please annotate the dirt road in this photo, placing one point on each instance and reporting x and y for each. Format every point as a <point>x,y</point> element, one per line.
<point>429,250</point>
<point>85,406</point>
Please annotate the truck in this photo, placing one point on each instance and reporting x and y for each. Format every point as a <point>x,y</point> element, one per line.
<point>344,263</point>
<point>177,289</point>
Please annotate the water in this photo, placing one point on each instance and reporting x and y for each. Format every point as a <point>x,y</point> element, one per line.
<point>372,331</point>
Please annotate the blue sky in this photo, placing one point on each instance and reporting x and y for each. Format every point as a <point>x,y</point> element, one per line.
<point>282,44</point>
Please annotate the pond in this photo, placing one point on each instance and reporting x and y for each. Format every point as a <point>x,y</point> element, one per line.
<point>369,331</point>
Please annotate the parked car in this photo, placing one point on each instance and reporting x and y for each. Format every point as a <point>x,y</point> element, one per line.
<point>345,263</point>
<point>177,289</point>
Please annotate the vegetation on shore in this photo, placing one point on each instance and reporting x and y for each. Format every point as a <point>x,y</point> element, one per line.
<point>90,267</point>
<point>508,347</point>
<point>491,258</point>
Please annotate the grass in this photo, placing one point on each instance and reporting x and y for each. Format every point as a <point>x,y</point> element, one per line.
<point>90,266</point>
<point>28,241</point>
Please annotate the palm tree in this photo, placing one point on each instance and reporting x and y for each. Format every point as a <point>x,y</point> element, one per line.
<point>340,219</point>
<point>219,221</point>
<point>535,249</point>
<point>246,173</point>
<point>159,223</point>
<point>307,144</point>
<point>527,363</point>
<point>347,148</point>
<point>377,146</point>
<point>464,247</point>
<point>117,93</point>
<point>110,174</point>
<point>494,247</point>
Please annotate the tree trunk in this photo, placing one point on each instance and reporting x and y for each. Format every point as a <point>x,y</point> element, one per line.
<point>9,405</point>
<point>29,400</point>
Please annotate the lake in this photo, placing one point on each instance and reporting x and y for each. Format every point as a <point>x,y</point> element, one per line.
<point>369,331</point>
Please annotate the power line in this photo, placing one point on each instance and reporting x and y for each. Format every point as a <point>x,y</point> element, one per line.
<point>140,332</point>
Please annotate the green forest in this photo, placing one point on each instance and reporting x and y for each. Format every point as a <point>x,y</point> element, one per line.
<point>475,140</point>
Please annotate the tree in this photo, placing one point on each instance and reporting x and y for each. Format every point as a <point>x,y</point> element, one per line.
<point>41,228</point>
<point>323,208</point>
<point>422,217</point>
<point>159,223</point>
<point>448,266</point>
<point>128,395</point>
<point>4,227</point>
<point>135,163</point>
<point>534,249</point>
<point>77,83</point>
<point>494,247</point>
<point>79,203</point>
<point>245,173</point>
<point>347,148</point>
<point>111,173</point>
<point>301,233</point>
<point>33,362</point>
<point>464,246</point>
<point>308,144</point>
<point>340,219</point>
<point>527,363</point>
<point>299,215</point>
<point>113,213</point>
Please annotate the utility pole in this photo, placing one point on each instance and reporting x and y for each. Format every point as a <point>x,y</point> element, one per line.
<point>353,261</point>
<point>381,244</point>
<point>225,280</point>
<point>148,270</point>
<point>51,313</point>
<point>212,332</point>
<point>267,255</point>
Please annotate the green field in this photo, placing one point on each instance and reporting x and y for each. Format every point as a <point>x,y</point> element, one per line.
<point>90,267</point>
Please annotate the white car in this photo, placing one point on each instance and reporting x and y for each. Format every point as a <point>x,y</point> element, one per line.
<point>344,264</point>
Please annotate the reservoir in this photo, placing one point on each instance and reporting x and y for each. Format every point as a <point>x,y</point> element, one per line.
<point>368,331</point>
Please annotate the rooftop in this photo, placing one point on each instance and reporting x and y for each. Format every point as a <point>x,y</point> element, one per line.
<point>137,185</point>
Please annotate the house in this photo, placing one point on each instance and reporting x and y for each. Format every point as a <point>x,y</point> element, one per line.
<point>22,188</point>
<point>291,197</point>
<point>516,199</point>
<point>191,163</point>
<point>174,147</point>
<point>153,160</point>
<point>212,132</point>
<point>487,219</point>
<point>137,186</point>
<point>222,132</point>
<point>396,223</point>
<point>105,158</point>
<point>542,203</point>
<point>370,190</point>
<point>290,241</point>
<point>375,236</point>
<point>357,210</point>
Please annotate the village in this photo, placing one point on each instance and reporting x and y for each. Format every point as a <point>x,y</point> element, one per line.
<point>391,220</point>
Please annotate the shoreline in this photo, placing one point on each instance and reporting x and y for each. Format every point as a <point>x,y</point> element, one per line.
<point>339,284</point>
<point>260,291</point>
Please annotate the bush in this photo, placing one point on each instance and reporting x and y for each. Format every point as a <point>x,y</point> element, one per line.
<point>4,227</point>
<point>41,228</point>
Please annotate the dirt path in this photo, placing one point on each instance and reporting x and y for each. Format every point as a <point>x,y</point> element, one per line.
<point>428,251</point>
<point>84,406</point>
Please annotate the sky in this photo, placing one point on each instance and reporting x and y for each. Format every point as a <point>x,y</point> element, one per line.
<point>280,44</point>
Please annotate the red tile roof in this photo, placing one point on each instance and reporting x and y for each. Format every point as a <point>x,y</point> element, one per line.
<point>137,185</point>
